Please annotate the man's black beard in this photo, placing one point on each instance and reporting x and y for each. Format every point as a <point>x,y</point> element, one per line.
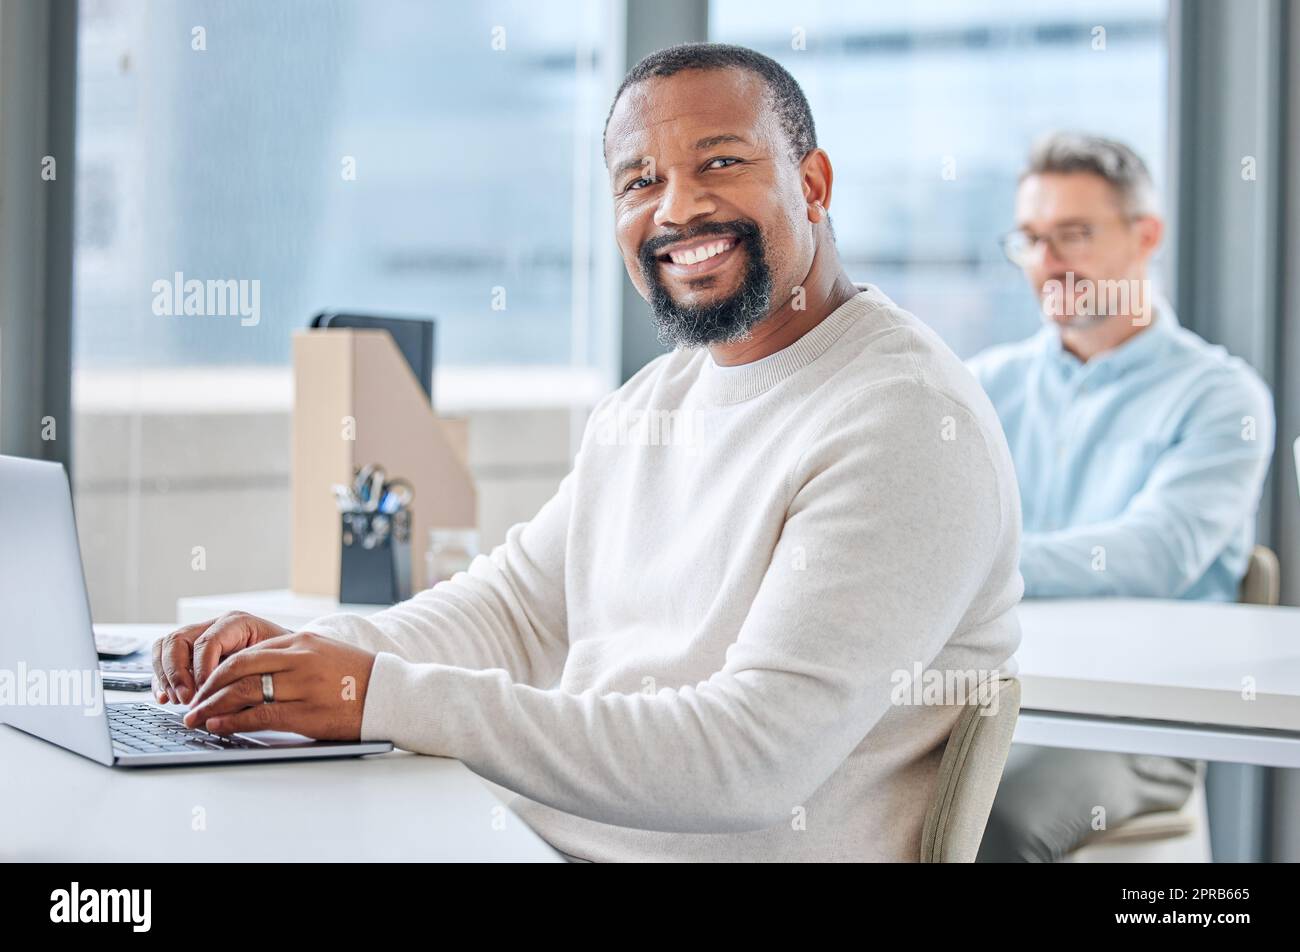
<point>722,322</point>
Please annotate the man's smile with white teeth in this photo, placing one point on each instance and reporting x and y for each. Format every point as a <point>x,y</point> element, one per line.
<point>695,253</point>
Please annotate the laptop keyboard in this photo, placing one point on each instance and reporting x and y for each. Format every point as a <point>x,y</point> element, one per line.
<point>148,729</point>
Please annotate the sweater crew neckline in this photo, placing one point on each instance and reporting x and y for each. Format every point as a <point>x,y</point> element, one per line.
<point>740,382</point>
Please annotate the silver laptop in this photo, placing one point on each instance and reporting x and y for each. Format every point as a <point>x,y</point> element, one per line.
<point>50,684</point>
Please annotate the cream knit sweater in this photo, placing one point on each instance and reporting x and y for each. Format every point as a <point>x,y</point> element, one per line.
<point>695,650</point>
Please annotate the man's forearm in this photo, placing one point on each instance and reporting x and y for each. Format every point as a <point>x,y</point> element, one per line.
<point>472,621</point>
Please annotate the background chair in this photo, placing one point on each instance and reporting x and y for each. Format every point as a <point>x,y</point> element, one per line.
<point>969,775</point>
<point>1262,584</point>
<point>1183,835</point>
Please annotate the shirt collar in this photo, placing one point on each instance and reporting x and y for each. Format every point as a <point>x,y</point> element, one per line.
<point>738,382</point>
<point>1135,351</point>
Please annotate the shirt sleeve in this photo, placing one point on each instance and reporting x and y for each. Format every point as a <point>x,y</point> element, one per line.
<point>506,611</point>
<point>1200,493</point>
<point>889,534</point>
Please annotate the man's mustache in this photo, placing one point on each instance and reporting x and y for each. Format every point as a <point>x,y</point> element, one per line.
<point>1062,285</point>
<point>1062,279</point>
<point>741,229</point>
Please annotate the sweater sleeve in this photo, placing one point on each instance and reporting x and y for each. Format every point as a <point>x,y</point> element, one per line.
<point>1199,495</point>
<point>889,534</point>
<point>506,612</point>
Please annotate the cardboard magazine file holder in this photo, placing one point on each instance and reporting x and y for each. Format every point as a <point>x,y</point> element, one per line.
<point>355,402</point>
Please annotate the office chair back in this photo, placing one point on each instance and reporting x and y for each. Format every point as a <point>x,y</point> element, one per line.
<point>969,775</point>
<point>1262,582</point>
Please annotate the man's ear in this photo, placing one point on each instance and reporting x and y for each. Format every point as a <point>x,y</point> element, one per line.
<point>816,177</point>
<point>1150,231</point>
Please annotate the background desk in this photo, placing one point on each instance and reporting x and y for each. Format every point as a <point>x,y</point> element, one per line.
<point>1162,677</point>
<point>56,805</point>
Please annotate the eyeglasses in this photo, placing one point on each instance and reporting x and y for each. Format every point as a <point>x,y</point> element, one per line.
<point>1067,242</point>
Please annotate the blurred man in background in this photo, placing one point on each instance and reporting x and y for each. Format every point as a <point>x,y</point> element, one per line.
<point>1140,450</point>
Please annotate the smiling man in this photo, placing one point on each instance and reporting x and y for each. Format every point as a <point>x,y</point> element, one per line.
<point>694,650</point>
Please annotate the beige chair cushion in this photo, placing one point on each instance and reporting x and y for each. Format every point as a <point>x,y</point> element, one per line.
<point>1263,581</point>
<point>969,775</point>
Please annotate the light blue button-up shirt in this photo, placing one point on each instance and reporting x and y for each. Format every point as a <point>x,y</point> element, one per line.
<point>1140,470</point>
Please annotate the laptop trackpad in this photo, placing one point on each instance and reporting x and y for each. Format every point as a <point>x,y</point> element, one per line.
<point>275,738</point>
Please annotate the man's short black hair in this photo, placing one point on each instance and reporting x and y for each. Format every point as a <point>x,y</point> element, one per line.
<point>786,97</point>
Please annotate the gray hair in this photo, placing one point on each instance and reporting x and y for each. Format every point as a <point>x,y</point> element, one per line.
<point>1120,166</point>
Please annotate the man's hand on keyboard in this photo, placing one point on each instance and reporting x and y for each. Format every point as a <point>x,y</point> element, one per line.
<point>317,687</point>
<point>184,659</point>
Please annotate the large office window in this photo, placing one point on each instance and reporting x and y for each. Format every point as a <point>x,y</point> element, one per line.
<point>391,156</point>
<point>381,156</point>
<point>927,110</point>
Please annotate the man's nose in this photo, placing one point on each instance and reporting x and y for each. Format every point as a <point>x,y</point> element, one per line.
<point>682,201</point>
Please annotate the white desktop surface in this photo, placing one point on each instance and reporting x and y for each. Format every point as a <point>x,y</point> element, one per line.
<point>1162,676</point>
<point>1167,660</point>
<point>280,606</point>
<point>56,805</point>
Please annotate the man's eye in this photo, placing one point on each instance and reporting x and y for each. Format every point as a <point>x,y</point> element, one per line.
<point>713,163</point>
<point>636,184</point>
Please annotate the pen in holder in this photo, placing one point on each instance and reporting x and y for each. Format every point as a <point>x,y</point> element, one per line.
<point>375,568</point>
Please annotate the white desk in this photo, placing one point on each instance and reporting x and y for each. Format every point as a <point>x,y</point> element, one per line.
<point>1162,677</point>
<point>280,606</point>
<point>1143,676</point>
<point>56,805</point>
